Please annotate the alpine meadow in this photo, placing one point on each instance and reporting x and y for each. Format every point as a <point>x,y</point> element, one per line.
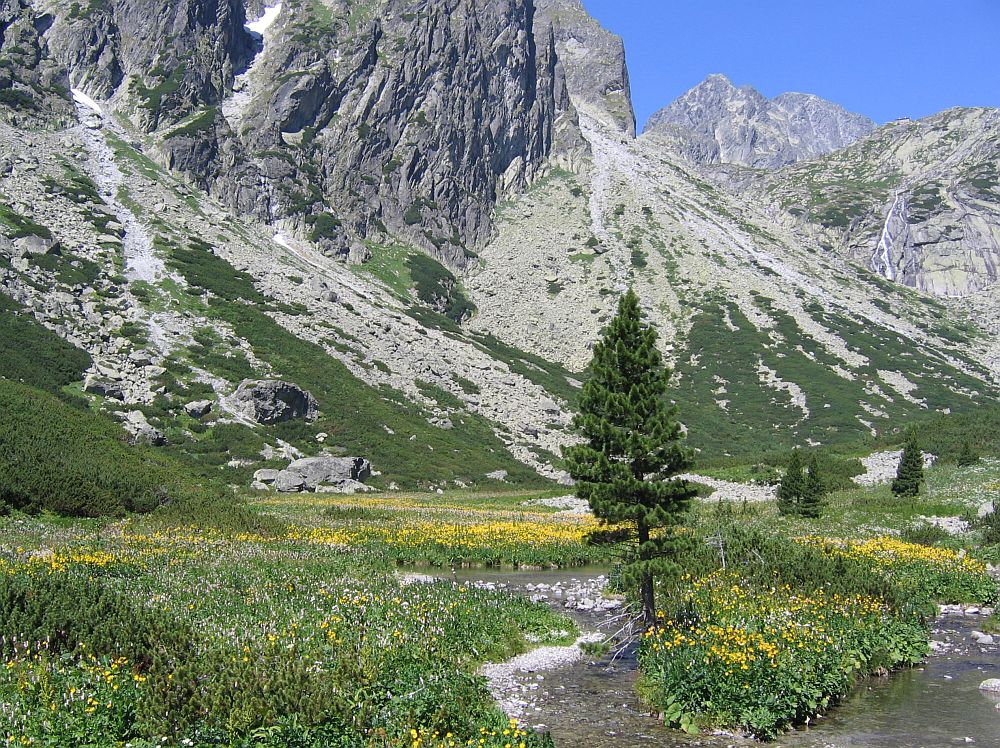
<point>373,377</point>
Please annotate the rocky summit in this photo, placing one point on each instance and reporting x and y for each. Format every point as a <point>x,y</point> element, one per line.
<point>273,231</point>
<point>717,123</point>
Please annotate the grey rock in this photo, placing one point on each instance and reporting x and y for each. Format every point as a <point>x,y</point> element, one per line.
<point>142,431</point>
<point>980,638</point>
<point>497,475</point>
<point>718,123</point>
<point>549,407</point>
<point>287,482</point>
<point>991,685</point>
<point>36,245</point>
<point>315,471</point>
<point>198,408</point>
<point>273,401</point>
<point>103,386</point>
<point>266,476</point>
<point>348,487</point>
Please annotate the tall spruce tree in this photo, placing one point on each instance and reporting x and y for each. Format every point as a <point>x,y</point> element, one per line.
<point>792,485</point>
<point>910,474</point>
<point>813,491</point>
<point>632,451</point>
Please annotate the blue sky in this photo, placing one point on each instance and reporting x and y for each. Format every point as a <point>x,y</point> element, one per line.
<point>883,58</point>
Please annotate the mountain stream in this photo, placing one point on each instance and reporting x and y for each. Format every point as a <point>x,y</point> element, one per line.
<point>587,701</point>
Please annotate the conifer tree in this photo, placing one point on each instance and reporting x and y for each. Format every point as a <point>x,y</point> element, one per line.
<point>813,490</point>
<point>792,485</point>
<point>632,451</point>
<point>967,457</point>
<point>910,474</point>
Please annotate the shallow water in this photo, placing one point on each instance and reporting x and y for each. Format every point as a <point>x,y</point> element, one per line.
<point>938,704</point>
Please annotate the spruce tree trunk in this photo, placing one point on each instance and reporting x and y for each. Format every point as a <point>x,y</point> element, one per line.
<point>646,593</point>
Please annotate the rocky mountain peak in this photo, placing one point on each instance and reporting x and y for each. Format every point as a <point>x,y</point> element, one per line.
<point>717,122</point>
<point>594,61</point>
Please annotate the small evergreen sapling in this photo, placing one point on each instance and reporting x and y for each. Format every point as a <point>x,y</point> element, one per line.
<point>792,485</point>
<point>967,457</point>
<point>813,491</point>
<point>632,452</point>
<point>910,474</point>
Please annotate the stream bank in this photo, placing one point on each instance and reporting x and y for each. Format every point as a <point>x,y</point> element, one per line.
<point>588,701</point>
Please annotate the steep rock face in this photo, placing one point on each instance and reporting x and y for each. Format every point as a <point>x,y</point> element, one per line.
<point>594,60</point>
<point>403,118</point>
<point>916,202</point>
<point>173,57</point>
<point>718,123</point>
<point>391,118</point>
<point>32,88</point>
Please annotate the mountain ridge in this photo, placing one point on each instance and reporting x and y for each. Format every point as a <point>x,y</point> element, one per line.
<point>716,122</point>
<point>236,238</point>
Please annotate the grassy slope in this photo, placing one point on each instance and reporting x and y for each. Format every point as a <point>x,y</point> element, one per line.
<point>760,419</point>
<point>375,422</point>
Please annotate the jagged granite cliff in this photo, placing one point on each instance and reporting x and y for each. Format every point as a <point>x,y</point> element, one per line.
<point>717,123</point>
<point>356,120</point>
<point>594,61</point>
<point>33,87</point>
<point>159,61</point>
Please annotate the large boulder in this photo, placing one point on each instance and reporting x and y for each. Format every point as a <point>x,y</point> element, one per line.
<point>310,473</point>
<point>141,431</point>
<point>273,401</point>
<point>103,386</point>
<point>36,245</point>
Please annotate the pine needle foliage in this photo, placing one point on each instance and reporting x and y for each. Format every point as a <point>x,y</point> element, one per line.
<point>813,491</point>
<point>967,457</point>
<point>910,474</point>
<point>792,485</point>
<point>632,452</point>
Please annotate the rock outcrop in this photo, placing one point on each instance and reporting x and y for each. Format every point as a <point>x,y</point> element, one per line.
<point>324,472</point>
<point>718,123</point>
<point>917,202</point>
<point>414,124</point>
<point>273,401</point>
<point>161,60</point>
<point>594,61</point>
<point>141,431</point>
<point>33,87</point>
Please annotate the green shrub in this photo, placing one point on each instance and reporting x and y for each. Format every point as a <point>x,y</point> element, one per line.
<point>58,458</point>
<point>924,534</point>
<point>326,226</point>
<point>35,355</point>
<point>18,99</point>
<point>437,287</point>
<point>19,226</point>
<point>991,527</point>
